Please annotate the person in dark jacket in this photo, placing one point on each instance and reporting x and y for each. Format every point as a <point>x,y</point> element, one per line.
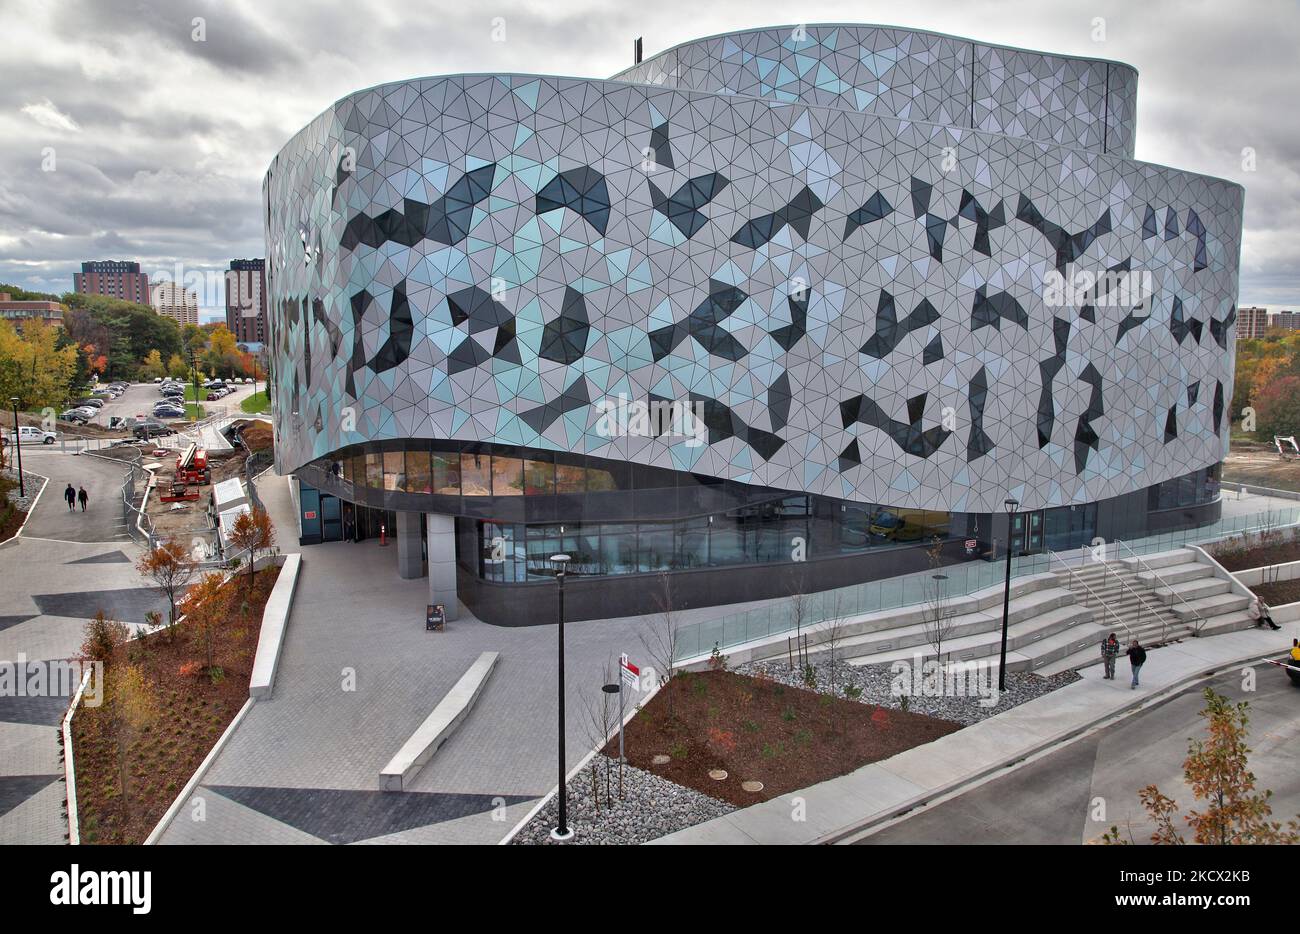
<point>70,496</point>
<point>82,497</point>
<point>1109,652</point>
<point>1137,657</point>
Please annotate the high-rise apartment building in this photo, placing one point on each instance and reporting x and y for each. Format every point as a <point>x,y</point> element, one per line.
<point>246,300</point>
<point>1287,320</point>
<point>1251,323</point>
<point>176,302</point>
<point>114,278</point>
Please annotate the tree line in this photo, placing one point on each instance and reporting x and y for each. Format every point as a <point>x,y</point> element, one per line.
<point>46,365</point>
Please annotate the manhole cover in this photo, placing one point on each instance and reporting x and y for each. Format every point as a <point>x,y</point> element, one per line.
<point>661,759</point>
<point>752,787</point>
<point>718,775</point>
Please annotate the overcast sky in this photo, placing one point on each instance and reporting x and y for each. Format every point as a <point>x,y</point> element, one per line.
<point>160,142</point>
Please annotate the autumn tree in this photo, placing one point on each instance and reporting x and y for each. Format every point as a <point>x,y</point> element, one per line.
<point>152,365</point>
<point>101,637</point>
<point>252,532</point>
<point>130,707</point>
<point>1277,408</point>
<point>171,569</point>
<point>33,365</point>
<point>177,368</point>
<point>204,609</point>
<point>1217,770</point>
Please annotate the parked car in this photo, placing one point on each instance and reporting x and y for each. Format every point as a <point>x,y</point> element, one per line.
<point>152,430</point>
<point>75,416</point>
<point>157,379</point>
<point>28,434</point>
<point>169,413</point>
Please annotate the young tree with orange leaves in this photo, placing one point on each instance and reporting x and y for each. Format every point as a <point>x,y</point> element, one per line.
<point>252,532</point>
<point>130,708</point>
<point>171,569</point>
<point>1218,773</point>
<point>205,611</point>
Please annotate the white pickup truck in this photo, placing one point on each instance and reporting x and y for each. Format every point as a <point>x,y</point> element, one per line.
<point>29,435</point>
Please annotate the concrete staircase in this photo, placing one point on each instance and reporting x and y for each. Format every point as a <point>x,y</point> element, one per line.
<point>1045,623</point>
<point>1198,593</point>
<point>1156,598</point>
<point>1056,619</point>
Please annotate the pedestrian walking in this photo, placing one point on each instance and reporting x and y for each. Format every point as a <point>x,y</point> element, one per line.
<point>1109,652</point>
<point>70,496</point>
<point>82,497</point>
<point>1137,657</point>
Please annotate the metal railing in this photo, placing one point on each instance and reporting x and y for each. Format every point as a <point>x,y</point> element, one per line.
<point>138,524</point>
<point>1073,576</point>
<point>1197,620</point>
<point>1153,611</point>
<point>776,618</point>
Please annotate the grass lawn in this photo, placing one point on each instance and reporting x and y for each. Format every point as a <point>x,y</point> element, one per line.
<point>256,404</point>
<point>191,709</point>
<point>193,410</point>
<point>758,730</point>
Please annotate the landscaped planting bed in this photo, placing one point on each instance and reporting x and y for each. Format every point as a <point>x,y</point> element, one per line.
<point>13,506</point>
<point>1278,593</point>
<point>1239,559</point>
<point>759,730</point>
<point>645,808</point>
<point>180,709</point>
<point>874,686</point>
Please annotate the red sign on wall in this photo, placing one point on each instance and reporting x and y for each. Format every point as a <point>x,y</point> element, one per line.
<point>309,514</point>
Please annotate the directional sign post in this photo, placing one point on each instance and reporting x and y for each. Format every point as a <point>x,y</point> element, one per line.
<point>630,677</point>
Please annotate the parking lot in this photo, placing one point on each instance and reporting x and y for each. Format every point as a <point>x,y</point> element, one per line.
<point>139,399</point>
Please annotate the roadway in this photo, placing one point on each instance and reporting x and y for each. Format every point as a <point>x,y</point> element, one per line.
<point>1058,798</point>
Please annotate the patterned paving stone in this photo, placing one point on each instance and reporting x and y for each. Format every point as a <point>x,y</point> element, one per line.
<point>348,816</point>
<point>15,789</point>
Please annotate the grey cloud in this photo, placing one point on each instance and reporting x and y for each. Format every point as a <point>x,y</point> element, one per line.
<point>175,140</point>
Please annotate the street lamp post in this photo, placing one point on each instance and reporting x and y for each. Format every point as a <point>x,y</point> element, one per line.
<point>18,448</point>
<point>1011,505</point>
<point>562,830</point>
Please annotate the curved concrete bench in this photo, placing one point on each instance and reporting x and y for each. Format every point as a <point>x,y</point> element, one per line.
<point>275,620</point>
<point>440,724</point>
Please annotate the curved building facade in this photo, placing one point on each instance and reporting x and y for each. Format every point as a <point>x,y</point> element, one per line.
<point>775,310</point>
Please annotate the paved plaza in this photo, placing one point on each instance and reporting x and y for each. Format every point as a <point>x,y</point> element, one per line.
<point>58,573</point>
<point>357,676</point>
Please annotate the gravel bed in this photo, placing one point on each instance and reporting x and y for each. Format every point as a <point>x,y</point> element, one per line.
<point>651,807</point>
<point>875,682</point>
<point>32,481</point>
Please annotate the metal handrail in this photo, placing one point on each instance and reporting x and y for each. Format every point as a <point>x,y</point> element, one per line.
<point>1198,621</point>
<point>1153,610</point>
<point>1069,570</point>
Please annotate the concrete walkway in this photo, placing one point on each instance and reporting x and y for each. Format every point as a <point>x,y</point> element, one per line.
<point>833,810</point>
<point>63,568</point>
<point>357,676</point>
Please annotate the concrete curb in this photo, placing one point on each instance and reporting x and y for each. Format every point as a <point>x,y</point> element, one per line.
<point>69,769</point>
<point>45,481</point>
<point>197,777</point>
<point>856,829</point>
